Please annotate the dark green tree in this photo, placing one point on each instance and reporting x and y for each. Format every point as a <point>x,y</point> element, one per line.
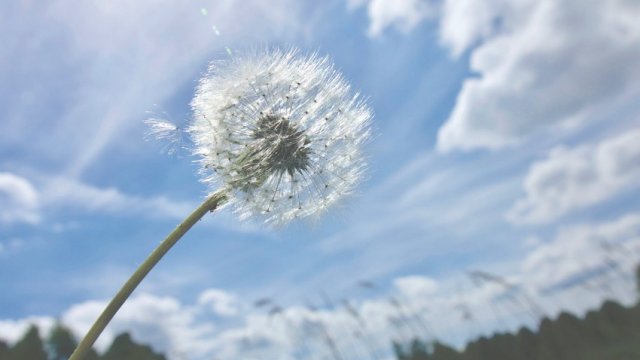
<point>4,350</point>
<point>638,280</point>
<point>569,335</point>
<point>123,348</point>
<point>419,350</point>
<point>30,347</point>
<point>399,351</point>
<point>60,343</point>
<point>527,343</point>
<point>444,352</point>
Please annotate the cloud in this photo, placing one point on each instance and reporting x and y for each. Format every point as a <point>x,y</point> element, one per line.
<point>575,178</point>
<point>13,330</point>
<point>540,64</point>
<point>219,301</point>
<point>68,193</point>
<point>402,15</point>
<point>586,255</point>
<point>465,22</point>
<point>164,322</point>
<point>19,198</point>
<point>62,193</point>
<point>30,202</point>
<point>416,286</point>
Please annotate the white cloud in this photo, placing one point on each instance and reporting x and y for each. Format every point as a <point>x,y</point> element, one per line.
<point>42,198</point>
<point>24,201</point>
<point>540,63</point>
<point>68,194</point>
<point>570,179</point>
<point>164,322</point>
<point>72,194</point>
<point>13,330</point>
<point>580,251</point>
<point>19,199</point>
<point>465,22</point>
<point>416,286</point>
<point>402,15</point>
<point>219,301</point>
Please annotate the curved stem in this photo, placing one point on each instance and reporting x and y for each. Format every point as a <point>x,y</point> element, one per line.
<point>210,204</point>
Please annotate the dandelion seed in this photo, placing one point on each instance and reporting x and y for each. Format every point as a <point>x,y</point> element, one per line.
<point>284,133</point>
<point>165,131</point>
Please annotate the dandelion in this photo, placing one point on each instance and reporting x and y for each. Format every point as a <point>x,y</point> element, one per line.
<point>278,137</point>
<point>281,133</point>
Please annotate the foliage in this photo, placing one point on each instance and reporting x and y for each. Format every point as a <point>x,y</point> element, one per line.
<point>613,332</point>
<point>61,343</point>
<point>123,348</point>
<point>4,350</point>
<point>30,347</point>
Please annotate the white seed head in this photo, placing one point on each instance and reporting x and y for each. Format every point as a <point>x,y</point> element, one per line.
<point>281,132</point>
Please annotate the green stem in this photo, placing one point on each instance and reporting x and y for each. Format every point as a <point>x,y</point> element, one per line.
<point>210,204</point>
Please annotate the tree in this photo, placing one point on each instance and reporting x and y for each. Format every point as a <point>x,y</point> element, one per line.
<point>527,342</point>
<point>30,347</point>
<point>444,352</point>
<point>123,348</point>
<point>638,279</point>
<point>4,350</point>
<point>60,343</point>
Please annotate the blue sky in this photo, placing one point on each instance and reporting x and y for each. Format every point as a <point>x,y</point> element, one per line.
<point>505,140</point>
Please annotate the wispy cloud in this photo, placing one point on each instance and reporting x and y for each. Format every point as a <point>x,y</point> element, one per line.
<point>574,178</point>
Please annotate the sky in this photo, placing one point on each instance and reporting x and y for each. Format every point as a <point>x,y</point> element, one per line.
<point>504,167</point>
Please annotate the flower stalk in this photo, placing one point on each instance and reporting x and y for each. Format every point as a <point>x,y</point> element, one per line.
<point>211,203</point>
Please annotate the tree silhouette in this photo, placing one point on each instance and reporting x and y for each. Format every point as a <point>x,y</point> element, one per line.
<point>610,333</point>
<point>60,343</point>
<point>444,352</point>
<point>30,347</point>
<point>638,280</point>
<point>4,350</point>
<point>123,348</point>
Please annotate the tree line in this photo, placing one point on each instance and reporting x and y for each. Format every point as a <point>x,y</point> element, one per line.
<point>609,333</point>
<point>60,344</point>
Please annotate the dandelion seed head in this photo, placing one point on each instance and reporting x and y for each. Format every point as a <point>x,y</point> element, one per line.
<point>282,132</point>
